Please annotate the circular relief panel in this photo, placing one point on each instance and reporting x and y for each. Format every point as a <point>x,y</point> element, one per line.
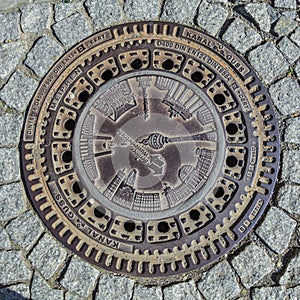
<point>150,150</point>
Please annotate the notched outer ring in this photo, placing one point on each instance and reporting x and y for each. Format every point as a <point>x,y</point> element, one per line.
<point>264,129</point>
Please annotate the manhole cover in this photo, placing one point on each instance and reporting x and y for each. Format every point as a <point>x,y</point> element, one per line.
<point>150,150</point>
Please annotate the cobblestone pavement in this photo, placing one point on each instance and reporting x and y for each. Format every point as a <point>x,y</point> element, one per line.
<point>33,34</point>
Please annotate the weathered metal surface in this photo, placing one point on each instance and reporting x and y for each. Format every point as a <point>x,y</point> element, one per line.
<point>150,150</point>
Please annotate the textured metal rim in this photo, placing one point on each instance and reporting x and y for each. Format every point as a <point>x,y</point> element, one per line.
<point>156,74</point>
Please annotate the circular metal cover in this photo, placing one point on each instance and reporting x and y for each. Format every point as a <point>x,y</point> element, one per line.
<point>150,150</point>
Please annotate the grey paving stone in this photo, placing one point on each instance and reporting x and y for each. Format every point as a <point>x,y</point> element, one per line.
<point>25,230</point>
<point>40,290</point>
<point>288,198</point>
<point>284,26</point>
<point>211,17</point>
<point>292,273</point>
<point>12,268</point>
<point>182,291</point>
<point>63,10</point>
<point>146,292</point>
<point>261,14</point>
<point>12,201</point>
<point>72,296</point>
<point>219,282</point>
<point>295,37</point>
<point>137,10</point>
<point>10,128</point>
<point>291,166</point>
<point>294,293</point>
<point>109,10</point>
<point>241,36</point>
<point>268,62</point>
<point>15,292</point>
<point>289,13</point>
<point>9,29</point>
<point>292,131</point>
<point>47,256</point>
<point>297,69</point>
<point>290,50</point>
<point>252,264</point>
<point>114,287</point>
<point>43,54</point>
<point>285,3</point>
<point>18,91</point>
<point>80,277</point>
<point>285,94</point>
<point>35,17</point>
<point>274,14</point>
<point>72,29</point>
<point>10,56</point>
<point>181,11</point>
<point>268,293</point>
<point>276,229</point>
<point>9,165</point>
<point>5,243</point>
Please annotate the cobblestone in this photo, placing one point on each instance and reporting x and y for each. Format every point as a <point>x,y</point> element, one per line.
<point>12,269</point>
<point>284,26</point>
<point>261,14</point>
<point>289,50</point>
<point>291,166</point>
<point>295,37</point>
<point>149,293</point>
<point>292,273</point>
<point>42,56</point>
<point>252,264</point>
<point>182,291</point>
<point>18,91</point>
<point>184,10</point>
<point>25,230</point>
<point>9,165</point>
<point>10,56</point>
<point>297,69</point>
<point>137,10</point>
<point>15,292</point>
<point>72,296</point>
<point>80,278</point>
<point>288,198</point>
<point>211,17</point>
<point>35,17</point>
<point>10,129</point>
<point>294,293</point>
<point>109,10</point>
<point>63,10</point>
<point>270,293</point>
<point>268,62</point>
<point>72,30</point>
<point>47,256</point>
<point>40,290</point>
<point>12,201</point>
<point>114,287</point>
<point>285,94</point>
<point>9,28</point>
<point>5,243</point>
<point>241,36</point>
<point>292,131</point>
<point>219,283</point>
<point>276,229</point>
<point>285,3</point>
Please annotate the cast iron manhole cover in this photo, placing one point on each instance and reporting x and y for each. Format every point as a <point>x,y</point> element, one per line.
<point>150,150</point>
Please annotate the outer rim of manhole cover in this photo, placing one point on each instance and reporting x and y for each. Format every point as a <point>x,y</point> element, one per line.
<point>151,150</point>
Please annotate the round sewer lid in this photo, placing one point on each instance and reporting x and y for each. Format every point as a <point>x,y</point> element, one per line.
<point>150,150</point>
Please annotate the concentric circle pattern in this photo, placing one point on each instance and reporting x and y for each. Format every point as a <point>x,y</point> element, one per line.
<point>150,150</point>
